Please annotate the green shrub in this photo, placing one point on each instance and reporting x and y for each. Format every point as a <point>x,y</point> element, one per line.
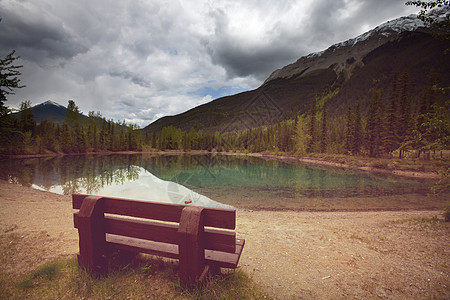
<point>379,163</point>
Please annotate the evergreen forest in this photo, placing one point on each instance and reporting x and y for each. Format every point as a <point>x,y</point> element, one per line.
<point>394,124</point>
<point>77,134</point>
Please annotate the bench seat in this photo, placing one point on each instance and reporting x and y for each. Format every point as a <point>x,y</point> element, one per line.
<point>214,258</point>
<point>199,237</point>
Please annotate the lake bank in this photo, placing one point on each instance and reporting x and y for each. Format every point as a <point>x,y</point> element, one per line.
<point>388,166</point>
<point>360,163</point>
<point>394,254</point>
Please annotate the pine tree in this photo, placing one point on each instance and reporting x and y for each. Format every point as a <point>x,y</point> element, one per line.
<point>92,139</point>
<point>349,131</point>
<point>64,138</point>
<point>323,140</point>
<point>153,142</point>
<point>312,126</point>
<point>404,116</point>
<point>375,125</point>
<point>48,132</point>
<point>75,142</point>
<point>9,79</point>
<point>111,134</point>
<point>104,136</point>
<point>12,140</point>
<point>283,137</point>
<point>26,120</point>
<point>301,136</point>
<point>392,140</point>
<point>79,139</point>
<point>357,133</point>
<point>424,114</point>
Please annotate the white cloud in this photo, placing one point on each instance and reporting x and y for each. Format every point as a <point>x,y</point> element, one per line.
<point>141,60</point>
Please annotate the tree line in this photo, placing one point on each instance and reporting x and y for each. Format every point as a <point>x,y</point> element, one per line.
<point>393,124</point>
<point>77,134</point>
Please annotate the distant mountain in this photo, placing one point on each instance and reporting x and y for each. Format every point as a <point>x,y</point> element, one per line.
<point>345,57</point>
<point>48,110</point>
<point>355,67</point>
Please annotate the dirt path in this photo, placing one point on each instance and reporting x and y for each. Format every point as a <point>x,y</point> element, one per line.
<point>325,255</point>
<point>347,254</point>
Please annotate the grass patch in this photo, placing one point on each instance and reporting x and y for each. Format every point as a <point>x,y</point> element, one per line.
<point>447,213</point>
<point>433,221</point>
<point>47,272</point>
<point>234,285</point>
<point>144,278</point>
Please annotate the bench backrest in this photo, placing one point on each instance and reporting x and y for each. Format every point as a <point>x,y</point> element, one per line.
<point>148,212</point>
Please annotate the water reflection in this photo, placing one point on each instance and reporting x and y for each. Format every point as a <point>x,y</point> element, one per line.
<point>178,178</point>
<point>115,176</point>
<point>270,174</point>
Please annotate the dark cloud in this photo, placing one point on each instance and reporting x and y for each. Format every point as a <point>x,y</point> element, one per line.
<point>140,60</point>
<point>258,62</point>
<point>319,25</point>
<point>37,38</point>
<point>334,21</point>
<point>132,77</point>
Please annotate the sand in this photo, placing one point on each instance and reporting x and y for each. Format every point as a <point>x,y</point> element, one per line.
<point>289,254</point>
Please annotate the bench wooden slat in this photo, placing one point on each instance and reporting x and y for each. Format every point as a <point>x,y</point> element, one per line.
<point>225,259</point>
<point>219,240</point>
<point>141,209</point>
<point>143,246</point>
<point>220,218</point>
<point>147,230</point>
<point>212,257</point>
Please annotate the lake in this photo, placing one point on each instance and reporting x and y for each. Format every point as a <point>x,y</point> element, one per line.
<point>219,181</point>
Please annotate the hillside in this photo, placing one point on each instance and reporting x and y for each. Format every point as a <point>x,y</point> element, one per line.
<point>355,67</point>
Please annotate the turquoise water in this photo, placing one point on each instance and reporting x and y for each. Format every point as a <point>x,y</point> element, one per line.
<point>191,177</point>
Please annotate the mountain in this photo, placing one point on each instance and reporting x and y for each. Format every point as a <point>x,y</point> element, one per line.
<point>48,110</point>
<point>353,68</point>
<point>344,58</point>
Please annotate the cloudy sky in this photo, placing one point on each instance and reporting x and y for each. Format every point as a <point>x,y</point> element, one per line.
<point>138,60</point>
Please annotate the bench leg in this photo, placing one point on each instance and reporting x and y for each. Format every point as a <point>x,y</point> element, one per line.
<point>92,236</point>
<point>190,247</point>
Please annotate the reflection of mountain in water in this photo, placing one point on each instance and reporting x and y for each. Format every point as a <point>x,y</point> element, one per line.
<point>115,176</point>
<point>291,178</point>
<point>132,174</point>
<point>73,173</point>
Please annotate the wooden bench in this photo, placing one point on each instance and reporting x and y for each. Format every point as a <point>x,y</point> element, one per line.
<point>187,233</point>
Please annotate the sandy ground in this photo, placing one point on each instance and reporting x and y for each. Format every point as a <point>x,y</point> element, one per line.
<point>312,255</point>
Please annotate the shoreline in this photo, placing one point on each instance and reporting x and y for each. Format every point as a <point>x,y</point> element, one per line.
<point>315,161</point>
<point>323,161</point>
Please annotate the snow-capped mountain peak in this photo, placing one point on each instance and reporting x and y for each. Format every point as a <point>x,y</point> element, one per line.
<point>51,103</point>
<point>409,23</point>
<point>347,56</point>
